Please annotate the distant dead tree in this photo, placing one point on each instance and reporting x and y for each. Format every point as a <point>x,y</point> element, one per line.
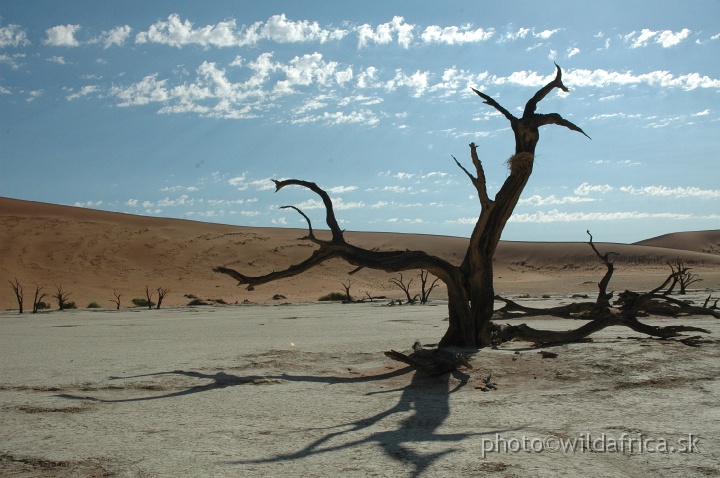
<point>681,275</point>
<point>38,298</point>
<point>61,297</point>
<point>116,300</point>
<point>17,288</point>
<point>346,288</point>
<point>161,295</point>
<point>148,294</point>
<point>424,289</point>
<point>398,281</point>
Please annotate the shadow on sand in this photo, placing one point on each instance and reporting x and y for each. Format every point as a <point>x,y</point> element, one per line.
<point>428,398</point>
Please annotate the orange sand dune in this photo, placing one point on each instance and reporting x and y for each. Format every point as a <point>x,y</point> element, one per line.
<point>93,253</point>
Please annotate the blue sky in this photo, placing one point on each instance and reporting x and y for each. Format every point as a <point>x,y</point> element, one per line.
<point>188,109</point>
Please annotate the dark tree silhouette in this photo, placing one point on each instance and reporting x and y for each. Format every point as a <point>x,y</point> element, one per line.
<point>424,289</point>
<point>149,295</point>
<point>116,300</point>
<point>470,288</point>
<point>17,288</point>
<point>38,298</point>
<point>161,295</point>
<point>398,281</point>
<point>61,297</point>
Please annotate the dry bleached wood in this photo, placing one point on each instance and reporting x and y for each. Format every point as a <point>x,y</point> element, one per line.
<point>469,285</point>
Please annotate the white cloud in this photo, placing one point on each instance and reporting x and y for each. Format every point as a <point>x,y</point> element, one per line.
<point>176,32</point>
<point>603,78</point>
<point>62,35</point>
<point>454,35</point>
<point>116,36</point>
<point>84,91</point>
<point>585,188</point>
<point>572,52</point>
<point>13,35</point>
<point>341,189</point>
<point>278,28</point>
<point>89,204</point>
<point>57,59</point>
<point>557,216</point>
<point>677,192</point>
<point>148,90</point>
<point>365,117</point>
<point>385,33</point>
<point>545,34</point>
<point>537,200</point>
<point>665,38</point>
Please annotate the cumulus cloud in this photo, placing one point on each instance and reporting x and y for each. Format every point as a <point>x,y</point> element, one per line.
<point>385,33</point>
<point>13,36</point>
<point>62,35</point>
<point>665,38</point>
<point>177,32</point>
<point>117,36</point>
<point>454,35</point>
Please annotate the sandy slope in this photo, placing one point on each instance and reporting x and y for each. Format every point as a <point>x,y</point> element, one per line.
<point>93,253</point>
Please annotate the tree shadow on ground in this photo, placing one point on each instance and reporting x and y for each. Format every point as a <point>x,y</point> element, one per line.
<point>427,398</point>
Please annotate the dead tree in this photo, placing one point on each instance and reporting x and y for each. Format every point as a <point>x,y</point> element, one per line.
<point>38,298</point>
<point>17,288</point>
<point>61,297</point>
<point>470,285</point>
<point>116,300</point>
<point>424,289</point>
<point>161,295</point>
<point>398,281</point>
<point>148,295</point>
<point>681,275</point>
<point>346,288</point>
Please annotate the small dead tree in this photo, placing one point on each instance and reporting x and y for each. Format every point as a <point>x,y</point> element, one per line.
<point>681,275</point>
<point>424,289</point>
<point>398,281</point>
<point>148,295</point>
<point>346,288</point>
<point>161,295</point>
<point>61,297</point>
<point>116,300</point>
<point>17,288</point>
<point>38,298</point>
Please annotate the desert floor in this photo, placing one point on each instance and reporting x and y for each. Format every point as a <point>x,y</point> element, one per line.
<point>305,390</point>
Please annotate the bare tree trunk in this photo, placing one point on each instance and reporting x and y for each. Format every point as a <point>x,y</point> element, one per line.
<point>38,298</point>
<point>161,295</point>
<point>61,297</point>
<point>116,301</point>
<point>17,288</point>
<point>148,295</point>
